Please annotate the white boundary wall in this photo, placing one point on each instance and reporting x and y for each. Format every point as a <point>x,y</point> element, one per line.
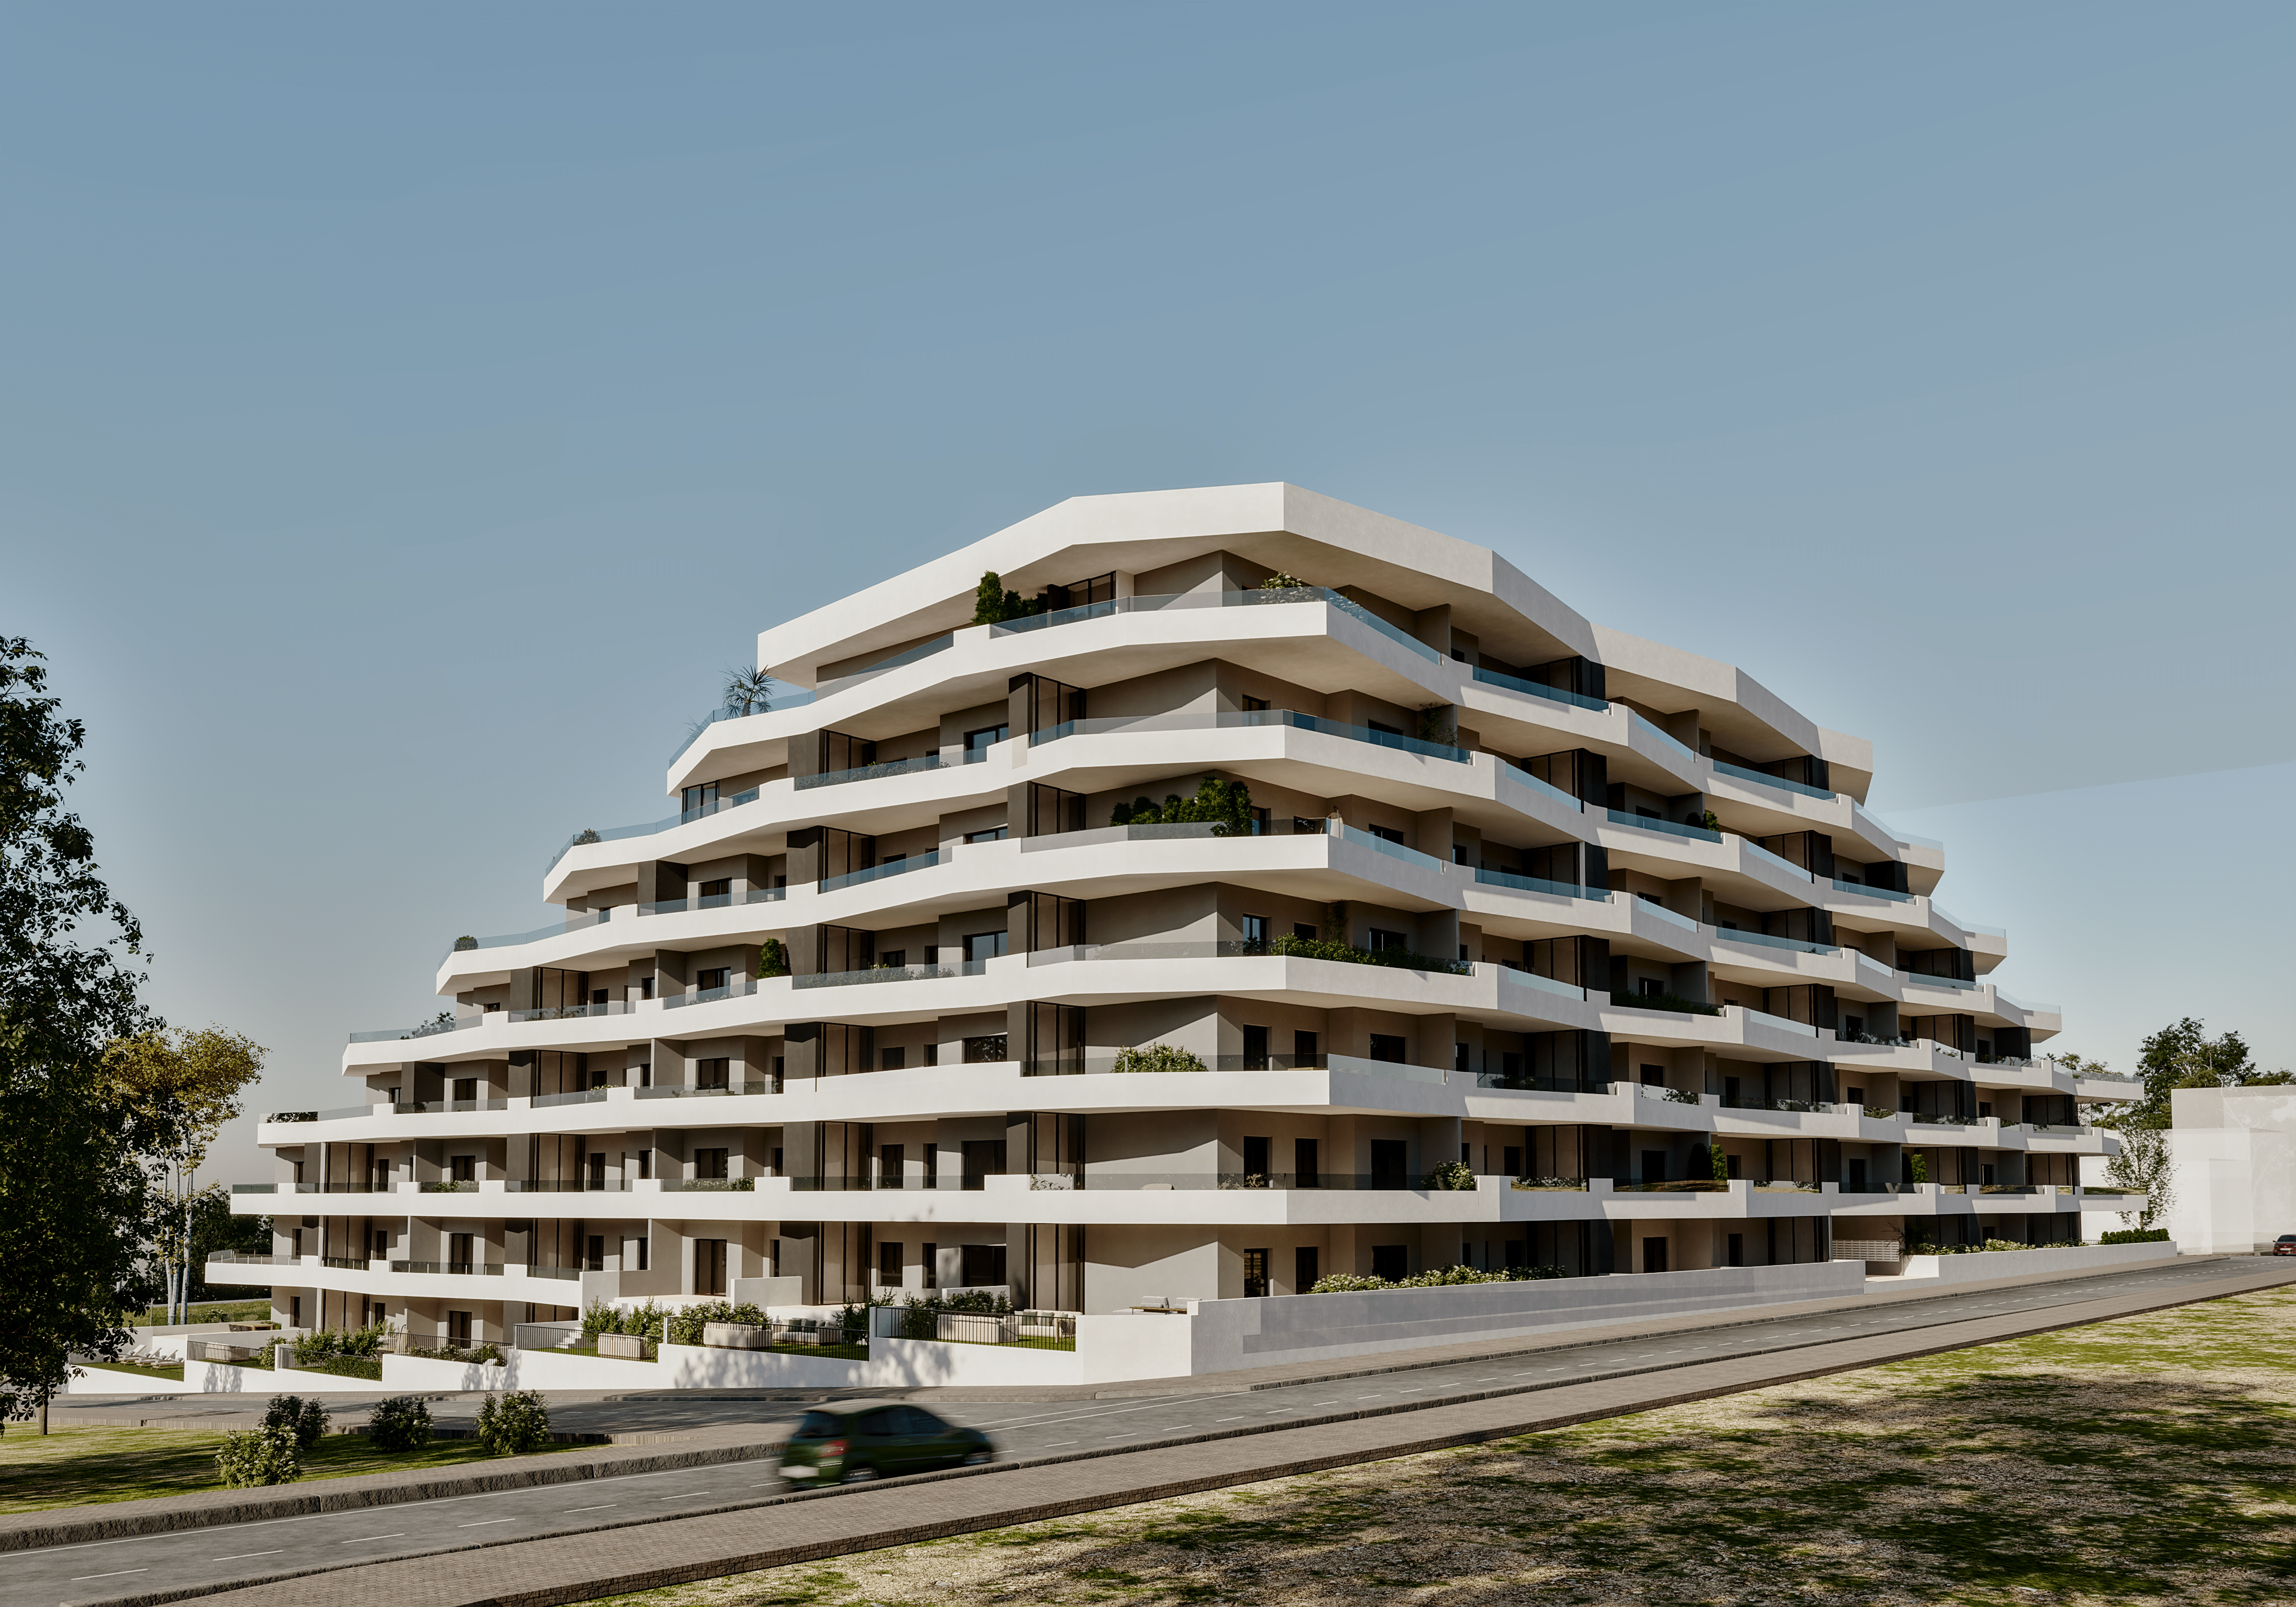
<point>1983,1265</point>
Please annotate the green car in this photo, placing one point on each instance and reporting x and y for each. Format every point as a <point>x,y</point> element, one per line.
<point>852,1441</point>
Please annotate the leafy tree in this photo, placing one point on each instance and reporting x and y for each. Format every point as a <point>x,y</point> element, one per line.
<point>73,1195</point>
<point>182,1085</point>
<point>992,604</point>
<point>2181,1055</point>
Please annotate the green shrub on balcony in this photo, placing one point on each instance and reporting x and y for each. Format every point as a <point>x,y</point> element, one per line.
<point>1226,804</point>
<point>1157,1057</point>
<point>1349,1282</point>
<point>1347,954</point>
<point>772,959</point>
<point>1449,1177</point>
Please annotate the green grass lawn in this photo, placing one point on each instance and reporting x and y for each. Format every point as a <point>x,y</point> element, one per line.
<point>219,1311</point>
<point>71,1467</point>
<point>2148,1461</point>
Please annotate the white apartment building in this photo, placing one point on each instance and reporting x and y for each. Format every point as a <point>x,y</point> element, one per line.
<point>869,1010</point>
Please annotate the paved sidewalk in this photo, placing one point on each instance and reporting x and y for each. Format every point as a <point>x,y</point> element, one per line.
<point>544,1572</point>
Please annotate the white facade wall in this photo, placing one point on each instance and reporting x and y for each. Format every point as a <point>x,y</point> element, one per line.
<point>625,1108</point>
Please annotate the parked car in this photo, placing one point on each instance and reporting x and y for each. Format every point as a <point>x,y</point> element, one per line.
<point>2285,1245</point>
<point>851,1441</point>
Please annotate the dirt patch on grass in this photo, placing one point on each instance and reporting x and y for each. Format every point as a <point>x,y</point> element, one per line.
<point>2148,1460</point>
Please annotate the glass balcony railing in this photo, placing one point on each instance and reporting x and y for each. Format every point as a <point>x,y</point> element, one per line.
<point>576,922</point>
<point>1862,890</point>
<point>423,1030</point>
<point>1552,694</point>
<point>898,766</point>
<point>1967,926</point>
<point>573,1013</point>
<point>682,1091</point>
<point>923,649</point>
<point>878,872</point>
<point>1514,771</point>
<point>742,989</point>
<point>1756,851</point>
<point>784,698</point>
<point>1250,599</point>
<point>1683,754</point>
<point>1251,718</point>
<point>1672,828</point>
<point>1343,833</point>
<point>1921,980</point>
<point>1536,885</point>
<point>1764,940</point>
<point>682,817</point>
<point>1763,778</point>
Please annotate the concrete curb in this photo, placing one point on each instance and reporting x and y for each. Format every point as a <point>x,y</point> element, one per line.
<point>2002,1328</point>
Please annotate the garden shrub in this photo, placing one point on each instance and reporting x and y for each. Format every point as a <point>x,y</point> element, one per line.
<point>1402,959</point>
<point>305,1419</point>
<point>1450,1175</point>
<point>257,1456</point>
<point>513,1423</point>
<point>402,1424</point>
<point>1157,1057</point>
<point>2135,1235</point>
<point>1348,1283</point>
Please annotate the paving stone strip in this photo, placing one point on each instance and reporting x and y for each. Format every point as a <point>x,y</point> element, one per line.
<point>644,1555</point>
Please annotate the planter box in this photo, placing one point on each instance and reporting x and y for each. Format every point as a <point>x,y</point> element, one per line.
<point>629,1347</point>
<point>735,1336</point>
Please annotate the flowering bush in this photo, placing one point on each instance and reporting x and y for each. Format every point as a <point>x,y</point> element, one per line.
<point>1450,1175</point>
<point>1347,1282</point>
<point>256,1457</point>
<point>513,1422</point>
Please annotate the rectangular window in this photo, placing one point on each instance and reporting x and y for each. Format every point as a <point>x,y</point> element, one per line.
<point>978,742</point>
<point>1254,929</point>
<point>721,886</point>
<point>597,996</point>
<point>709,1163</point>
<point>1653,1076</point>
<point>459,1251</point>
<point>1653,1165</point>
<point>1855,1183</point>
<point>1307,1165</point>
<point>993,834</point>
<point>466,1088</point>
<point>694,803</point>
<point>1511,1157</point>
<point>458,1327</point>
<point>983,1264</point>
<point>1381,941</point>
<point>891,1059</point>
<point>1252,705</point>
<point>712,978</point>
<point>1306,1263</point>
<point>986,945</point>
<point>1735,1252</point>
<point>1653,1255</point>
<point>1255,1274</point>
<point>892,1165</point>
<point>1388,1047</point>
<point>715,1073</point>
<point>1305,1052</point>
<point>594,1256</point>
<point>930,1255</point>
<point>1388,1156</point>
<point>894,958</point>
<point>1255,1156</point>
<point>983,1157</point>
<point>1255,1048</point>
<point>1853,1096</point>
<point>463,1168</point>
<point>646,1163</point>
<point>1388,833</point>
<point>645,987</point>
<point>1391,1261</point>
<point>643,1244</point>
<point>889,1262</point>
<point>985,1050</point>
<point>932,1054</point>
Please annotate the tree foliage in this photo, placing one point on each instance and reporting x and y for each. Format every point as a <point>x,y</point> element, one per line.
<point>992,604</point>
<point>748,690</point>
<point>73,1196</point>
<point>1225,803</point>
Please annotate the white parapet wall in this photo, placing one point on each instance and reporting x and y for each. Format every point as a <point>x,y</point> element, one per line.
<point>1979,1267</point>
<point>1314,1327</point>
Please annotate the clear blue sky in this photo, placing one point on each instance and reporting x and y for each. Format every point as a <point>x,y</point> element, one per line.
<point>409,410</point>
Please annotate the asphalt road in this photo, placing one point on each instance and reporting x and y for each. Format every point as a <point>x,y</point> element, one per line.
<point>1023,1431</point>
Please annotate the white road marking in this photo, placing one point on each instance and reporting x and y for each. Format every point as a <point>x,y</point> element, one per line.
<point>489,1521</point>
<point>243,1556</point>
<point>113,1575</point>
<point>363,1539</point>
<point>605,1505</point>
